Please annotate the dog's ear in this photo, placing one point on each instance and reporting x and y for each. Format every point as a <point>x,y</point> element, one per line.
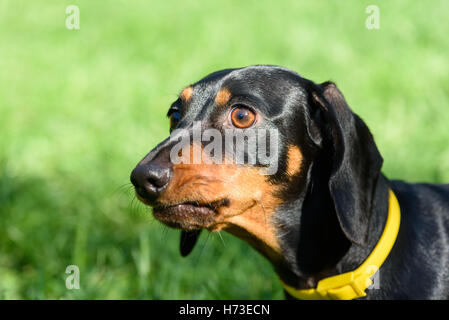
<point>188,241</point>
<point>355,161</point>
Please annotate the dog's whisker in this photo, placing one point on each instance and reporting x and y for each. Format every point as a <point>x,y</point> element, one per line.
<point>131,205</point>
<point>136,205</point>
<point>164,233</point>
<point>263,209</point>
<point>123,188</point>
<point>202,249</point>
<point>121,191</point>
<point>222,240</point>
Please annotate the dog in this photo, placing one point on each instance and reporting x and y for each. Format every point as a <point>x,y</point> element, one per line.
<point>324,215</point>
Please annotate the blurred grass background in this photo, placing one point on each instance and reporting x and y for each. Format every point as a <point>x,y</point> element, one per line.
<point>79,108</point>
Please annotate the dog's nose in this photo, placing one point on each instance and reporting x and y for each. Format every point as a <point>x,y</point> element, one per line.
<point>150,179</point>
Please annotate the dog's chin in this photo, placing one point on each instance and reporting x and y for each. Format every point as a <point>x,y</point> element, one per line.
<point>190,215</point>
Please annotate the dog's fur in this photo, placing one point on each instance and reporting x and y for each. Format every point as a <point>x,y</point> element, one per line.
<point>324,210</point>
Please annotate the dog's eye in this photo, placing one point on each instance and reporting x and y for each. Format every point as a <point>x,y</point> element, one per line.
<point>174,119</point>
<point>242,117</point>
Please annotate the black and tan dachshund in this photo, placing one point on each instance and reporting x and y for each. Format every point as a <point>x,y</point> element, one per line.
<point>323,212</point>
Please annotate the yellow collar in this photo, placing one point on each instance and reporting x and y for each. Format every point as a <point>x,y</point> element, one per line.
<point>352,285</point>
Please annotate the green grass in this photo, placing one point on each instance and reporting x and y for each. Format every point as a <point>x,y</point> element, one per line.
<point>78,109</point>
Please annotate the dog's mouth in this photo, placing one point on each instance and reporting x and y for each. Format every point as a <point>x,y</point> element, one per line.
<point>191,215</point>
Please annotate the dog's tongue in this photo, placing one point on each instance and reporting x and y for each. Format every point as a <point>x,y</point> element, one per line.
<point>188,240</point>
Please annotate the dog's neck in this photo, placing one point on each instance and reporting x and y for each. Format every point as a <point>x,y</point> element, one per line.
<point>314,251</point>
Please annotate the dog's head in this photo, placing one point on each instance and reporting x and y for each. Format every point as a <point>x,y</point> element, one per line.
<point>265,154</point>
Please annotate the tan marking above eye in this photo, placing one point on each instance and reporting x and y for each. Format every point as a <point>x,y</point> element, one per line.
<point>186,94</point>
<point>294,160</point>
<point>223,97</point>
